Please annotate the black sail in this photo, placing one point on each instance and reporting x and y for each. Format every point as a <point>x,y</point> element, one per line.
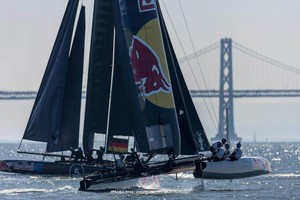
<point>99,73</point>
<point>99,80</point>
<point>125,103</point>
<point>70,118</point>
<point>146,77</point>
<point>193,137</point>
<point>45,119</point>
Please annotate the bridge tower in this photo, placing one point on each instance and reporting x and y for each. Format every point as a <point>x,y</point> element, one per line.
<point>226,94</point>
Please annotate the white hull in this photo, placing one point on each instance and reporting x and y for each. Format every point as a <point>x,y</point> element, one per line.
<point>150,182</point>
<point>244,167</point>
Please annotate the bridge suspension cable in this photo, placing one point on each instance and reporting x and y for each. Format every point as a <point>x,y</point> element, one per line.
<point>265,58</point>
<point>200,52</point>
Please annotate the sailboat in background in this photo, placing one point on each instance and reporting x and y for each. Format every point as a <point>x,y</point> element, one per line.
<point>55,115</point>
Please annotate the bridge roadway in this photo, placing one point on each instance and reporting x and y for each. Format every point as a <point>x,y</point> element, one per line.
<point>247,93</point>
<point>23,95</point>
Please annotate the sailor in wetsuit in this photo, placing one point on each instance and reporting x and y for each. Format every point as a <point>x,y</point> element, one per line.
<point>79,155</point>
<point>72,153</point>
<point>100,153</point>
<point>237,153</point>
<point>217,151</point>
<point>120,162</point>
<point>226,152</point>
<point>89,158</point>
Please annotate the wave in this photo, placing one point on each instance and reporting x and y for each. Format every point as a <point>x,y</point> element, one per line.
<point>24,190</point>
<point>15,191</point>
<point>290,175</point>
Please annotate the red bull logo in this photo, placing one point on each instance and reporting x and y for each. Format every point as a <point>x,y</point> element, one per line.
<point>147,70</point>
<point>146,5</point>
<point>4,166</point>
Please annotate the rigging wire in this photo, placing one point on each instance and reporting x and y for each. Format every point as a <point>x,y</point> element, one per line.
<point>203,78</point>
<point>189,64</point>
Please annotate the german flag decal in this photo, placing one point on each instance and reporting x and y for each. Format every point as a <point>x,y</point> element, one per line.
<point>117,145</point>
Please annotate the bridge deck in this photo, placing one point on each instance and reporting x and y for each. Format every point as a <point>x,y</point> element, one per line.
<point>22,95</point>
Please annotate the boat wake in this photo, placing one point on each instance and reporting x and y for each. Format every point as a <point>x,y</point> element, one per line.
<point>16,191</point>
<point>290,175</point>
<point>24,190</point>
<point>227,190</point>
<point>161,191</point>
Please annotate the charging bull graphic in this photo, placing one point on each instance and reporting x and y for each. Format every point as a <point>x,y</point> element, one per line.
<point>147,70</point>
<point>4,166</point>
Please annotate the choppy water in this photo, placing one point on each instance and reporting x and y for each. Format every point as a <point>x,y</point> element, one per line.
<point>283,183</point>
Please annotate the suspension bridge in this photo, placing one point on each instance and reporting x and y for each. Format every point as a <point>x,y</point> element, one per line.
<point>225,70</point>
<point>242,73</point>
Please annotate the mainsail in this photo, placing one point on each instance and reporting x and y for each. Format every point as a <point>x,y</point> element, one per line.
<point>147,77</point>
<point>55,115</point>
<point>100,83</point>
<point>99,73</point>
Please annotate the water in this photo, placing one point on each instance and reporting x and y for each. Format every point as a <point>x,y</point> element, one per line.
<point>283,183</point>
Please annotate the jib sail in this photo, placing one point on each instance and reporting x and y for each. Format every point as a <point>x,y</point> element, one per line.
<point>49,119</point>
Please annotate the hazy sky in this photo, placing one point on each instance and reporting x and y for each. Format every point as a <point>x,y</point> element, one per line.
<point>271,27</point>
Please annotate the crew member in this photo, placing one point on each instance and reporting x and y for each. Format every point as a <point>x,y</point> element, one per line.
<point>219,155</point>
<point>226,152</point>
<point>215,149</point>
<point>120,162</point>
<point>100,153</point>
<point>73,153</point>
<point>89,158</point>
<point>237,153</point>
<point>78,155</point>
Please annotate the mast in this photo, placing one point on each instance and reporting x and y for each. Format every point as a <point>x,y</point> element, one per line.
<point>110,93</point>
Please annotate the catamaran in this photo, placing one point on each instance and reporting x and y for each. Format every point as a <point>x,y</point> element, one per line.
<point>150,101</point>
<point>55,115</point>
